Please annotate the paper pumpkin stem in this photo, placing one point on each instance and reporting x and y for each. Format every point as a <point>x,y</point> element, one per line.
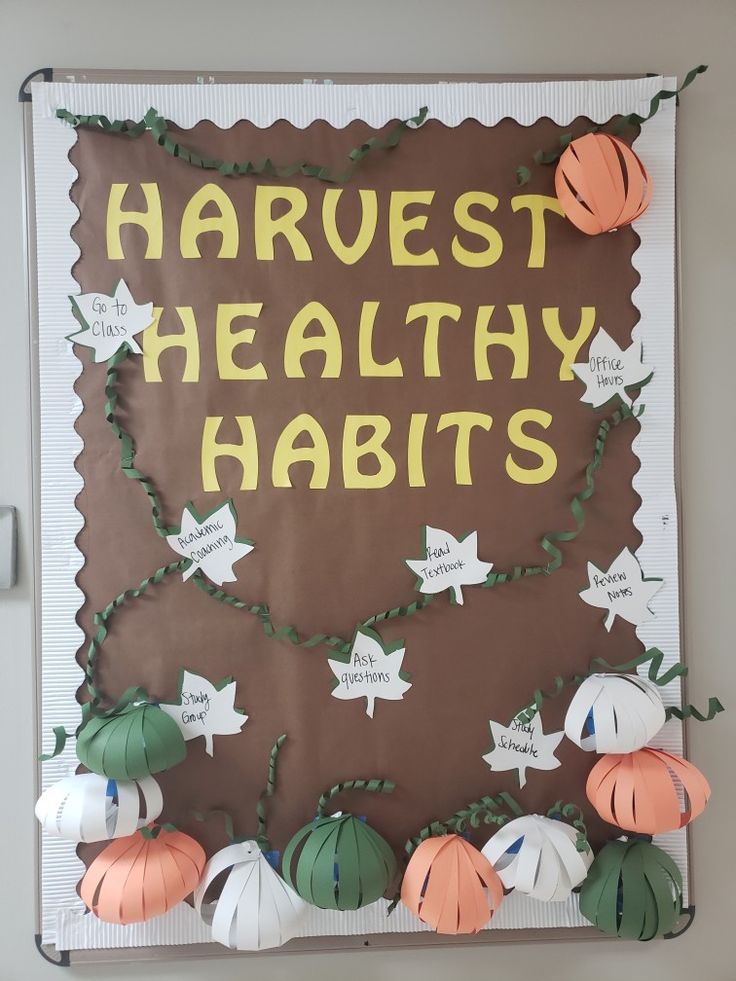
<point>267,792</point>
<point>372,786</point>
<point>485,811</point>
<point>560,810</point>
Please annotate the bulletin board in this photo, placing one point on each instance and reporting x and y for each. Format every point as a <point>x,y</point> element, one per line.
<point>348,433</point>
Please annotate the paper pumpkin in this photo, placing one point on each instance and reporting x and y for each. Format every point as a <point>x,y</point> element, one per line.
<point>614,713</point>
<point>88,807</point>
<point>450,886</point>
<point>339,862</point>
<point>633,890</point>
<point>136,878</point>
<point>256,909</point>
<point>601,183</point>
<point>130,744</point>
<point>639,791</point>
<point>538,856</point>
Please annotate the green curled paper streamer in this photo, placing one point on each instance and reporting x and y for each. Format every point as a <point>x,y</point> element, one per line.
<point>101,621</point>
<point>153,832</point>
<point>523,174</point>
<point>485,810</point>
<point>559,809</point>
<point>652,655</point>
<point>690,712</point>
<point>267,792</point>
<point>263,613</point>
<point>156,124</point>
<point>400,611</point>
<point>60,738</point>
<point>576,506</point>
<point>373,786</point>
<point>127,444</point>
<point>633,889</point>
<point>227,819</point>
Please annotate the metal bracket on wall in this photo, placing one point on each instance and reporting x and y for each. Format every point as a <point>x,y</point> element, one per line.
<point>23,94</point>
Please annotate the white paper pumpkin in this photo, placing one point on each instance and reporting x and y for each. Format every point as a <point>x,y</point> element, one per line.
<point>256,909</point>
<point>90,807</point>
<point>614,713</point>
<point>538,856</point>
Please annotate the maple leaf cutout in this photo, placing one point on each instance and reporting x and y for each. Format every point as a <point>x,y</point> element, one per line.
<point>110,322</point>
<point>521,746</point>
<point>373,671</point>
<point>205,709</point>
<point>621,589</point>
<point>210,543</point>
<point>449,563</point>
<point>610,370</point>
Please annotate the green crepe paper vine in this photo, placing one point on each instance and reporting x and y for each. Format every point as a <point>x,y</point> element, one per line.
<point>156,124</point>
<point>652,656</point>
<point>560,810</point>
<point>127,444</point>
<point>134,694</point>
<point>268,791</point>
<point>372,786</point>
<point>523,174</point>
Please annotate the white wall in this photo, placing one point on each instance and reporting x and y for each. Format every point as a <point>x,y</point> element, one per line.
<point>543,36</point>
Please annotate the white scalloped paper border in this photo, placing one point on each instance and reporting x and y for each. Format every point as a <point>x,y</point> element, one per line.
<point>63,919</point>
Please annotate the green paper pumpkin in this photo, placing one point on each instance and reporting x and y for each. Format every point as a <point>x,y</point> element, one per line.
<point>342,863</point>
<point>633,890</point>
<point>133,743</point>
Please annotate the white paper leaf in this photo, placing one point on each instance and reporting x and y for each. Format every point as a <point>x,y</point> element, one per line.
<point>614,713</point>
<point>205,709</point>
<point>621,589</point>
<point>610,370</point>
<point>374,671</point>
<point>449,563</point>
<point>538,856</point>
<point>109,322</point>
<point>256,909</point>
<point>88,807</point>
<point>521,746</point>
<point>210,542</point>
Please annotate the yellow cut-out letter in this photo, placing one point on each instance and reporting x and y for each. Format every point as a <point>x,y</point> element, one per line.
<point>353,451</point>
<point>399,227</point>
<point>517,341</point>
<point>461,212</point>
<point>285,454</point>
<point>151,220</point>
<point>225,223</point>
<point>548,457</point>
<point>414,455</point>
<point>537,204</point>
<point>568,346</point>
<point>433,314</point>
<point>368,366</point>
<point>297,345</point>
<point>349,254</point>
<point>266,227</point>
<point>465,422</point>
<point>154,344</point>
<point>245,452</point>
<point>226,341</point>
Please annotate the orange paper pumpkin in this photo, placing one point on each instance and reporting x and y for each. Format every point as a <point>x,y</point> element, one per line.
<point>639,791</point>
<point>451,886</point>
<point>136,878</point>
<point>601,183</point>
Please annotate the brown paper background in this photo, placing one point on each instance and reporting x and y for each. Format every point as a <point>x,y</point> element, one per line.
<point>326,559</point>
